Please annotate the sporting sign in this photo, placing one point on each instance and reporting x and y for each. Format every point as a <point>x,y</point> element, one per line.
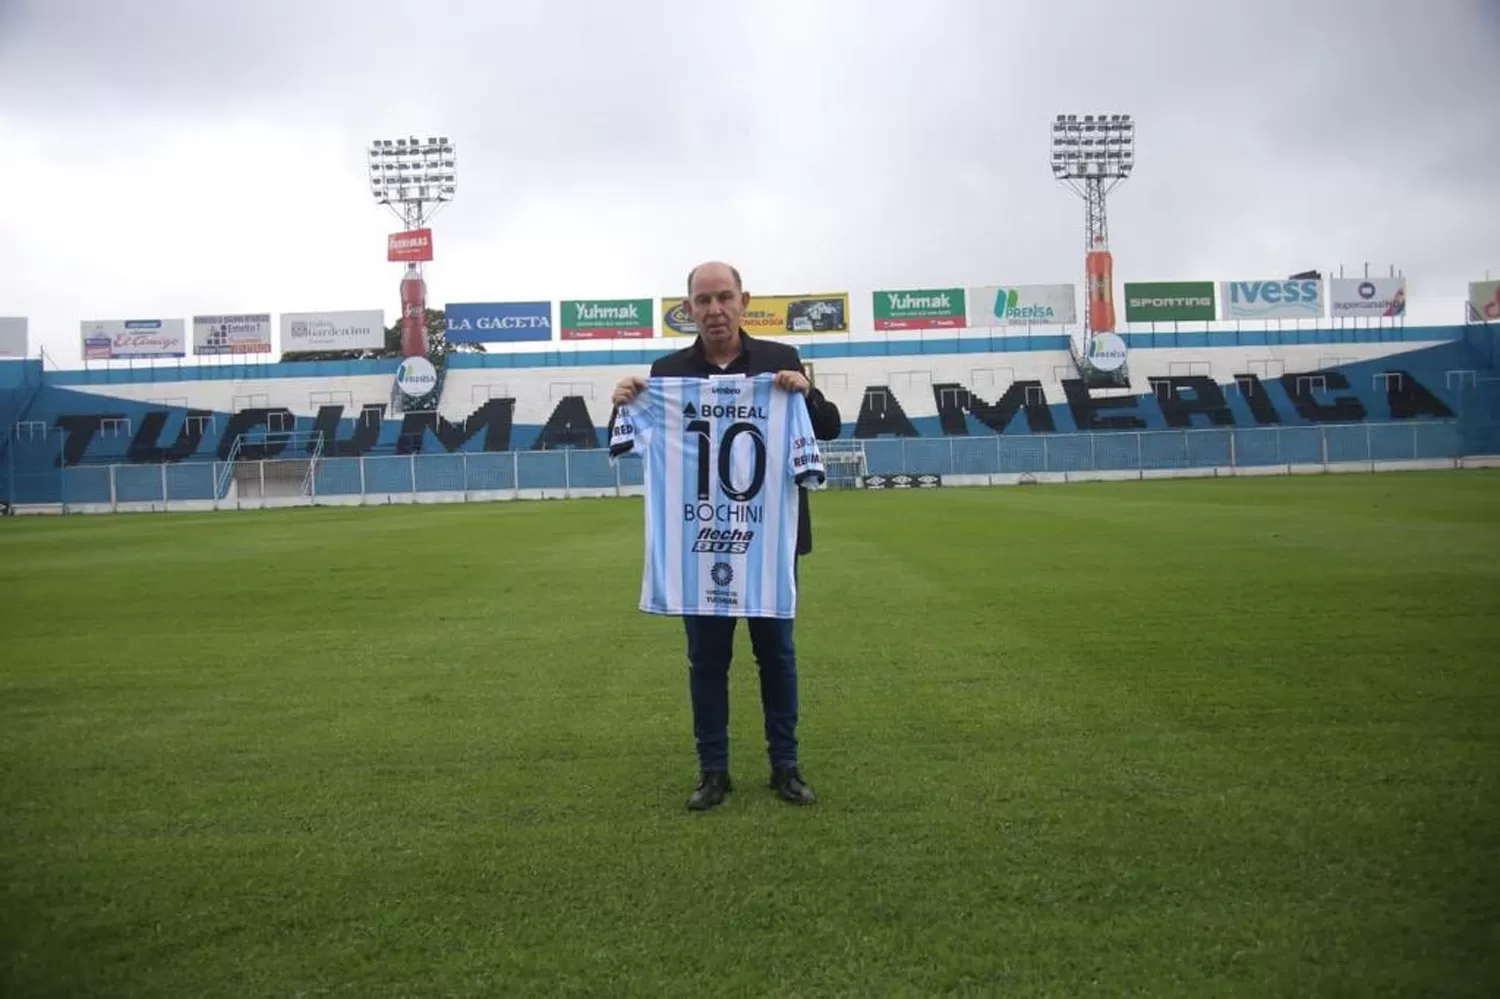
<point>1368,297</point>
<point>769,315</point>
<point>1022,305</point>
<point>499,322</point>
<point>920,309</point>
<point>232,334</point>
<point>413,246</point>
<point>115,340</point>
<point>1169,301</point>
<point>307,331</point>
<point>1292,299</point>
<point>13,336</point>
<point>607,319</point>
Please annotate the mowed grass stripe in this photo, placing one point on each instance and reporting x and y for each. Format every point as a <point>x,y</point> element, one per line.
<point>1169,738</point>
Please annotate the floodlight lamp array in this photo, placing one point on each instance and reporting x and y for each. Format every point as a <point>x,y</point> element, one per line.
<point>1093,146</point>
<point>410,170</point>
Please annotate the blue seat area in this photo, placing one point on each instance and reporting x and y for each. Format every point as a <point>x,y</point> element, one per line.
<point>1436,397</point>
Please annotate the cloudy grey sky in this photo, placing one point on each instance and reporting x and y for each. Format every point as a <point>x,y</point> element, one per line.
<point>168,157</point>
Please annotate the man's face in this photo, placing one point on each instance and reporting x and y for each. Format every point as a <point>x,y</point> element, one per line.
<point>716,305</point>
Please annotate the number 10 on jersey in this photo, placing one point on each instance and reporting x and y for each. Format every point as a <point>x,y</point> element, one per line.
<point>706,461</point>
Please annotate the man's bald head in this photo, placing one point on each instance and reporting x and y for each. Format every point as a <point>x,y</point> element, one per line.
<point>715,267</point>
<point>716,301</point>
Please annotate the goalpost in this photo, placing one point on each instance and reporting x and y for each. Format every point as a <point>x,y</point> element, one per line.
<point>845,463</point>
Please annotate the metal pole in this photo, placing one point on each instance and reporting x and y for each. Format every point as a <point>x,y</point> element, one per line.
<point>363,496</point>
<point>164,485</point>
<point>515,473</point>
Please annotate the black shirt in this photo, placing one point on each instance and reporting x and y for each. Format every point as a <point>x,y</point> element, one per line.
<point>759,357</point>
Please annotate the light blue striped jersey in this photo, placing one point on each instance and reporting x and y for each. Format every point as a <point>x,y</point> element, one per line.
<point>724,458</point>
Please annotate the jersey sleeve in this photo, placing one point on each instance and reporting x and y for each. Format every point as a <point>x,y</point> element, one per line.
<point>806,459</point>
<point>631,428</point>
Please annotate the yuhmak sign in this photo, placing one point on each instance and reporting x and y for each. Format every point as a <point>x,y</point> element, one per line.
<point>921,309</point>
<point>611,319</point>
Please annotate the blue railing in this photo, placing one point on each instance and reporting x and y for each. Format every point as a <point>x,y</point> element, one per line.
<point>485,475</point>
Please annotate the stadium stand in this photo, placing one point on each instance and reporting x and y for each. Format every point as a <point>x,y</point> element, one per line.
<point>957,410</point>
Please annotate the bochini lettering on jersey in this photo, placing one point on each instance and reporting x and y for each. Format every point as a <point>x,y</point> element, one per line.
<point>724,459</point>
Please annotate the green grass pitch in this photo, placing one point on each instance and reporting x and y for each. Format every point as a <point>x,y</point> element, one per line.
<point>1180,738</point>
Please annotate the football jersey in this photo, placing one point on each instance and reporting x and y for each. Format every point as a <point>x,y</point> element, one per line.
<point>724,457</point>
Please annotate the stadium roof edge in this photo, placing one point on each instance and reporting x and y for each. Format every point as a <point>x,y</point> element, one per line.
<point>635,358</point>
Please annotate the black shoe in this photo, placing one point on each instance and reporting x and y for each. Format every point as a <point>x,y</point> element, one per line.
<point>788,783</point>
<point>712,787</point>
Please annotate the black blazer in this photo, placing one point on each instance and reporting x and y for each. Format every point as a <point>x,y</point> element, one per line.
<point>759,357</point>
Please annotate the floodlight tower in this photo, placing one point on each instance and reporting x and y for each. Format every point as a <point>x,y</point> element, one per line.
<point>414,179</point>
<point>1092,157</point>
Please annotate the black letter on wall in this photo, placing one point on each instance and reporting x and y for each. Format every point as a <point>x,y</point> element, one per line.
<point>146,447</point>
<point>81,430</point>
<point>494,417</point>
<point>1344,409</point>
<point>1207,399</point>
<point>569,426</point>
<point>880,413</point>
<point>366,431</point>
<point>953,401</point>
<point>1409,398</point>
<point>1258,399</point>
<point>1086,409</point>
<point>247,420</point>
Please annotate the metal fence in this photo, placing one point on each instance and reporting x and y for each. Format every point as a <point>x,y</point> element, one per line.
<point>482,476</point>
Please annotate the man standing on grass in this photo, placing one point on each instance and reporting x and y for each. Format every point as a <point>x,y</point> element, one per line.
<point>716,300</point>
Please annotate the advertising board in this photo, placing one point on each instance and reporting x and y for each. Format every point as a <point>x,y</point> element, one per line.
<point>128,339</point>
<point>499,322</point>
<point>353,330</point>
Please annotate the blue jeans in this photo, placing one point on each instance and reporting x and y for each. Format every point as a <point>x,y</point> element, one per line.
<point>710,648</point>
